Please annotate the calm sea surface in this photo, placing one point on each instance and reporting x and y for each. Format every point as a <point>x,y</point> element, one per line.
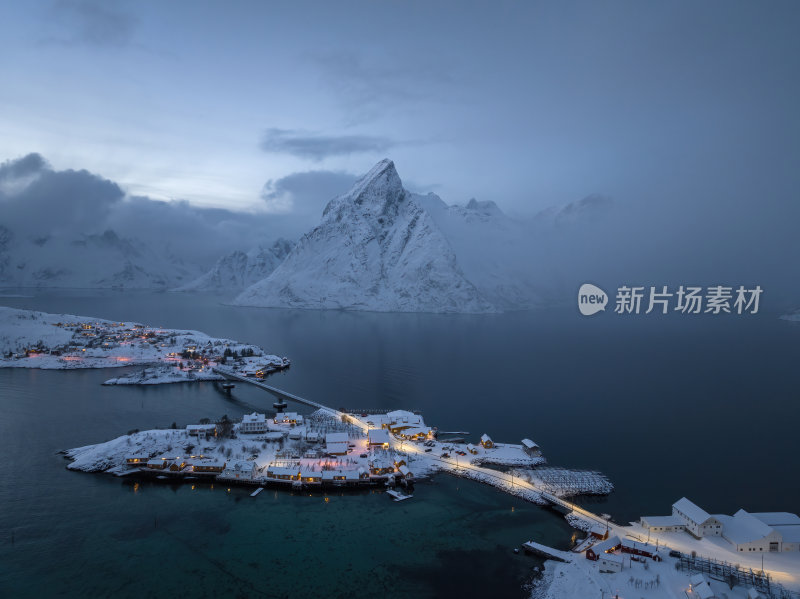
<point>705,407</point>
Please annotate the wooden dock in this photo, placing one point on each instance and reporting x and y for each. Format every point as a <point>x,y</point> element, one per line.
<point>545,551</point>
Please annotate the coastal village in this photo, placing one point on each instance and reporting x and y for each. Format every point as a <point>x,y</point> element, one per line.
<point>687,553</point>
<point>61,342</point>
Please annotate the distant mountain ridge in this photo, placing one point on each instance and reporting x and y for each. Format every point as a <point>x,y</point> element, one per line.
<point>88,261</point>
<point>238,270</point>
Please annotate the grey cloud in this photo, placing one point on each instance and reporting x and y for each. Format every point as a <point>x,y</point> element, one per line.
<point>93,23</point>
<point>22,167</point>
<point>39,199</point>
<point>317,147</point>
<point>38,203</point>
<point>305,193</point>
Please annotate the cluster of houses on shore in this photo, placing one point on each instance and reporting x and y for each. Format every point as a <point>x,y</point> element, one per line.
<point>127,342</point>
<point>316,455</point>
<point>745,531</point>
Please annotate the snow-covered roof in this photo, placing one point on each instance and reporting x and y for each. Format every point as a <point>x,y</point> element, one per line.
<point>404,416</point>
<point>485,437</point>
<point>378,435</point>
<point>287,416</point>
<point>240,466</point>
<point>310,474</point>
<point>694,512</point>
<point>612,557</point>
<point>789,534</point>
<point>700,587</point>
<point>744,528</point>
<point>609,543</point>
<point>336,438</point>
<point>381,461</point>
<point>663,520</point>
<point>283,471</point>
<point>331,474</point>
<point>528,444</point>
<point>201,427</point>
<point>777,518</point>
<point>404,470</point>
<point>254,418</point>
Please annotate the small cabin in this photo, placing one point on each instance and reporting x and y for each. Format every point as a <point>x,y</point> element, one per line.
<point>599,532</point>
<point>283,473</point>
<point>531,448</point>
<point>209,467</point>
<point>308,476</point>
<point>137,460</point>
<point>595,551</point>
<point>197,430</point>
<point>610,563</point>
<point>157,464</point>
<point>486,441</point>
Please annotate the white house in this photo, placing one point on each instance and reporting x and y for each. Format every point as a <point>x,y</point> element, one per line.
<point>336,443</point>
<point>253,423</point>
<point>747,533</point>
<point>663,523</point>
<point>241,469</point>
<point>790,537</point>
<point>197,430</point>
<point>696,520</point>
<point>701,588</point>
<point>610,562</point>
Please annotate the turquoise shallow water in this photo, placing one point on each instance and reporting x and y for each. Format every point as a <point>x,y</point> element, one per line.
<point>90,535</point>
<point>665,407</point>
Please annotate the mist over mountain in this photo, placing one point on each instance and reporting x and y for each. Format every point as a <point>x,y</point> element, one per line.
<point>237,270</point>
<point>76,229</point>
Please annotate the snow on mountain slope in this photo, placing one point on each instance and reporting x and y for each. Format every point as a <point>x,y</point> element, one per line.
<point>239,270</point>
<point>377,248</point>
<point>102,261</point>
<point>494,251</point>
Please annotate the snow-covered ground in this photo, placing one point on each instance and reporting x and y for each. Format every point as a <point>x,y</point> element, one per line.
<point>299,447</point>
<point>31,339</point>
<point>582,579</point>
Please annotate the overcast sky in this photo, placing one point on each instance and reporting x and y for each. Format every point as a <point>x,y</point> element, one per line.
<point>528,104</point>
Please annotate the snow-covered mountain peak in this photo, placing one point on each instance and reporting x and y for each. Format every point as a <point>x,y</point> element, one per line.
<point>376,248</point>
<point>376,193</point>
<point>487,207</point>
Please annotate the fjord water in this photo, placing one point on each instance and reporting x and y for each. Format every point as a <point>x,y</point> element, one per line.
<point>665,406</point>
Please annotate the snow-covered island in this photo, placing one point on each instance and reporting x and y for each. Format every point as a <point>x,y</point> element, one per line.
<point>30,339</point>
<point>688,553</point>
